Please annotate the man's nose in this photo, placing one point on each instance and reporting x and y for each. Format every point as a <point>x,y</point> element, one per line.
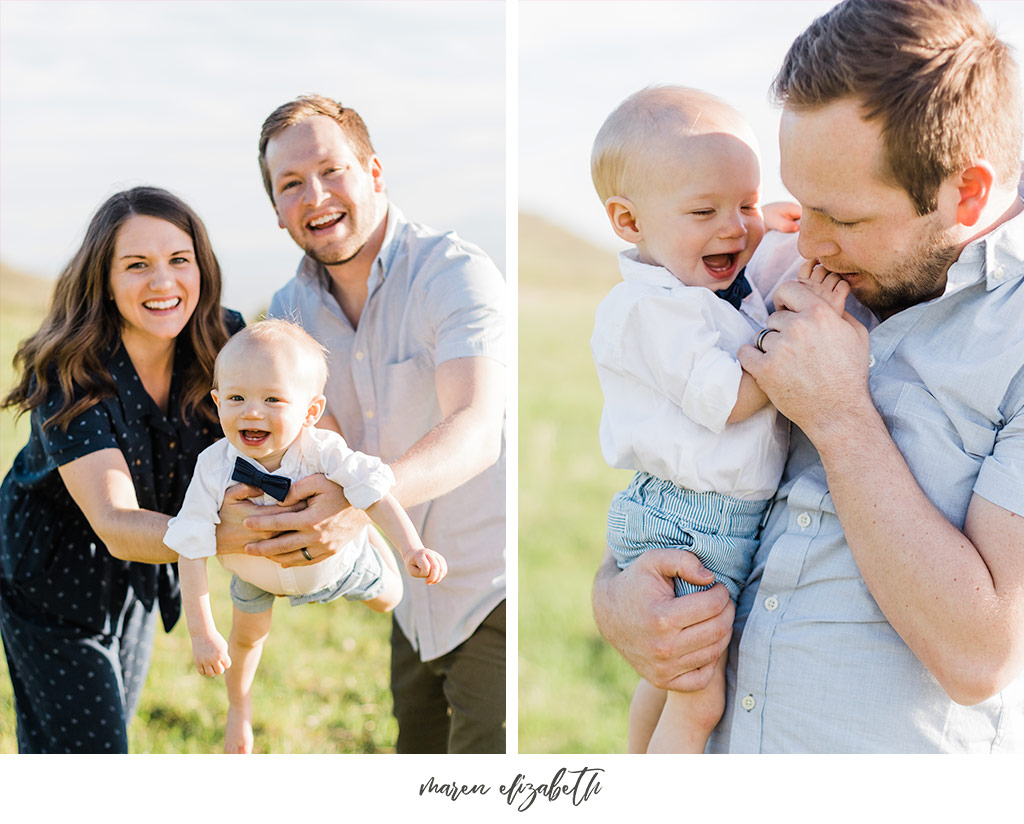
<point>814,240</point>
<point>313,192</point>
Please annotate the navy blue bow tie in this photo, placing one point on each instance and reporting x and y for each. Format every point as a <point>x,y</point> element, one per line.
<point>276,486</point>
<point>740,289</point>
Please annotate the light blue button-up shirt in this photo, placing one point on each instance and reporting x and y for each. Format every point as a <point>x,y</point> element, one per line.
<point>814,666</point>
<point>432,297</point>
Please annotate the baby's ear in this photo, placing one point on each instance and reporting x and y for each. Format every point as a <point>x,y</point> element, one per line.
<point>316,409</point>
<point>621,213</point>
<point>216,397</point>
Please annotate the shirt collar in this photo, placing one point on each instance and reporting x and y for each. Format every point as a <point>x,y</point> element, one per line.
<point>996,258</point>
<point>634,269</point>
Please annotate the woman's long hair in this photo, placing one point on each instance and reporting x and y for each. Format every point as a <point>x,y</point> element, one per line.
<point>83,325</point>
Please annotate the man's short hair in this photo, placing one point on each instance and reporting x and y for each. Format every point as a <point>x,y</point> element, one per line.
<point>943,87</point>
<point>314,105</point>
<point>275,334</point>
<point>623,159</point>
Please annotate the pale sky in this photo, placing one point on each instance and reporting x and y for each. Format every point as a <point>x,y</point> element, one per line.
<point>96,97</point>
<point>579,60</point>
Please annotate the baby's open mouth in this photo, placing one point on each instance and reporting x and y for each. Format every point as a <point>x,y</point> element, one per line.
<point>721,267</point>
<point>253,437</point>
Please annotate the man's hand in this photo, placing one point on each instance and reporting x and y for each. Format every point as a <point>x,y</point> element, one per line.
<point>815,370</point>
<point>672,642</point>
<point>322,526</point>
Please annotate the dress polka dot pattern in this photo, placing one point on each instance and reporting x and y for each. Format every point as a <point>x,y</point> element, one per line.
<point>77,624</point>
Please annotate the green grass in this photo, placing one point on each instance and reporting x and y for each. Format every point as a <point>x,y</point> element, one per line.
<point>322,686</point>
<point>574,689</point>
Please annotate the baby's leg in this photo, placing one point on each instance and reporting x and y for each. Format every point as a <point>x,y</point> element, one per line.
<point>825,284</point>
<point>689,717</point>
<point>393,589</point>
<point>644,713</point>
<point>245,646</point>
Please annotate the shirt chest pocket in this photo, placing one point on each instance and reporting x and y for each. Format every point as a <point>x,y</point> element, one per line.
<point>943,449</point>
<point>409,406</point>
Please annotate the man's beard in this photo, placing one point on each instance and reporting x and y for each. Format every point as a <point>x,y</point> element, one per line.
<point>919,276</point>
<point>326,258</point>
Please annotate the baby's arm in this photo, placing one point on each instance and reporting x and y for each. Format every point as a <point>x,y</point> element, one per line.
<point>419,561</point>
<point>749,399</point>
<point>825,284</point>
<point>209,649</point>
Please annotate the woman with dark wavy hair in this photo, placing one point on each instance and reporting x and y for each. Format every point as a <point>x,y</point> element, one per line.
<point>117,382</point>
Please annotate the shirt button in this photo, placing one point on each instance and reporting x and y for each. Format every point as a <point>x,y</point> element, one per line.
<point>359,356</point>
<point>748,703</point>
<point>369,413</point>
<point>803,520</point>
<point>871,361</point>
<point>771,603</point>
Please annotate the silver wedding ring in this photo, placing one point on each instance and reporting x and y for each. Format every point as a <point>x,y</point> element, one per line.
<point>308,557</point>
<point>759,340</point>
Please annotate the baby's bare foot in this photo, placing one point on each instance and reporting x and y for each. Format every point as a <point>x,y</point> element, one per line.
<point>826,285</point>
<point>238,733</point>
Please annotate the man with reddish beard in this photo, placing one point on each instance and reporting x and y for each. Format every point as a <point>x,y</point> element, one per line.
<point>885,611</point>
<point>413,320</point>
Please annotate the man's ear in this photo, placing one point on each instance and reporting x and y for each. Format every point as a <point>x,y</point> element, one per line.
<point>622,214</point>
<point>377,173</point>
<point>316,409</point>
<point>280,223</point>
<point>974,187</point>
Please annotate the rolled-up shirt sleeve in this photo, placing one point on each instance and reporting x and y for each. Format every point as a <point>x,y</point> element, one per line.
<point>365,478</point>
<point>684,360</point>
<point>192,533</point>
<point>1001,478</point>
<point>466,300</point>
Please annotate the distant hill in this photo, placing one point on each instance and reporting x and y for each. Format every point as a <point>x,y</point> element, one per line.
<point>551,257</point>
<point>20,290</point>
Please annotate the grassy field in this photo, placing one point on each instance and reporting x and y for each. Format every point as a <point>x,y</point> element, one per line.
<point>322,686</point>
<point>573,688</point>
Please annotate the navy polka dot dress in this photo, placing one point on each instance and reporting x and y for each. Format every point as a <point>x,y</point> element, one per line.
<point>76,623</point>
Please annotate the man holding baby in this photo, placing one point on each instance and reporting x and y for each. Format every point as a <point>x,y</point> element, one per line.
<point>413,321</point>
<point>885,609</point>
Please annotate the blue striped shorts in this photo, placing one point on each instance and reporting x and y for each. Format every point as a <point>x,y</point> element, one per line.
<point>652,513</point>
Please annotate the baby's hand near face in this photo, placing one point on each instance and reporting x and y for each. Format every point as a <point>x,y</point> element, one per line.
<point>426,563</point>
<point>782,216</point>
<point>210,652</point>
<point>825,284</point>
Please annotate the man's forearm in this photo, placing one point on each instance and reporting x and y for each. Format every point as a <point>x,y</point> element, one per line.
<point>460,447</point>
<point>471,397</point>
<point>932,582</point>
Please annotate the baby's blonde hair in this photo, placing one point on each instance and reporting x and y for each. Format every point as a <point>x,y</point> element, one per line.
<point>623,158</point>
<point>271,334</point>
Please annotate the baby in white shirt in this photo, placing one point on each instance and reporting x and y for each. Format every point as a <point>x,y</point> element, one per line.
<point>268,387</point>
<point>679,175</point>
